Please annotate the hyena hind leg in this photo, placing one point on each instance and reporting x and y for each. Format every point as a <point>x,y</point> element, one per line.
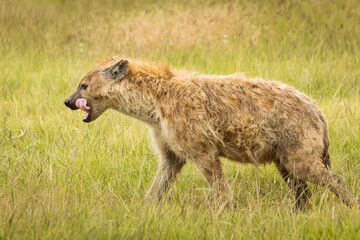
<point>336,184</point>
<point>299,187</point>
<point>318,173</point>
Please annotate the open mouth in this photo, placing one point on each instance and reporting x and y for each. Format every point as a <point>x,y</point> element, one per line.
<point>81,103</point>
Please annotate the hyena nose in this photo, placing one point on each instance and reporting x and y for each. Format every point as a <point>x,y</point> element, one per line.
<point>67,103</point>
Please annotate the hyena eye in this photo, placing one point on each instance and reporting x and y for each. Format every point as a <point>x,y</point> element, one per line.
<point>84,86</point>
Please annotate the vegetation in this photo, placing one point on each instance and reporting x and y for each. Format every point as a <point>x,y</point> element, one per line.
<point>61,178</point>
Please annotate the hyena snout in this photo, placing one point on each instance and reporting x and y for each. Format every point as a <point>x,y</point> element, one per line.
<point>70,102</point>
<point>76,101</point>
<point>67,102</point>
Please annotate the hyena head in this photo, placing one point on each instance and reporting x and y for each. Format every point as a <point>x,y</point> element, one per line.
<point>92,95</point>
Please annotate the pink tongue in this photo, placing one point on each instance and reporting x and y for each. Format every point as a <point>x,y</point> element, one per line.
<point>81,103</point>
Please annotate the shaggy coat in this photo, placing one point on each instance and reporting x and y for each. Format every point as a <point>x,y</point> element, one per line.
<point>199,118</point>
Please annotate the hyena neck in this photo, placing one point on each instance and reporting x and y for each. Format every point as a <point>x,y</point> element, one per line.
<point>140,95</point>
<point>140,98</point>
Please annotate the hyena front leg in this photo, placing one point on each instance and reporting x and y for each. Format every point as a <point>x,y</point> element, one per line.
<point>210,167</point>
<point>169,166</point>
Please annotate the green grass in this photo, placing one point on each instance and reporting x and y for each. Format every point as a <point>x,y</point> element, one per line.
<point>61,178</point>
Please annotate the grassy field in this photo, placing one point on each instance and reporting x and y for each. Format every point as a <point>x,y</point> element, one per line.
<point>61,178</point>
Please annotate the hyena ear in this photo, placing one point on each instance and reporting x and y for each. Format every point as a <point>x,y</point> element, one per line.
<point>118,70</point>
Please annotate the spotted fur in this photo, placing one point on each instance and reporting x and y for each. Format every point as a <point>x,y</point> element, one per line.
<point>199,118</point>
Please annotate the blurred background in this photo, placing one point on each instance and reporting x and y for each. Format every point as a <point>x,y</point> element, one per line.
<point>60,178</point>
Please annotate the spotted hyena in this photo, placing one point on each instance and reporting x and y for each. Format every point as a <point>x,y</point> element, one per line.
<point>199,118</point>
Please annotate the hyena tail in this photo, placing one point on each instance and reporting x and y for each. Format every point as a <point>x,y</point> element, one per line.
<point>326,155</point>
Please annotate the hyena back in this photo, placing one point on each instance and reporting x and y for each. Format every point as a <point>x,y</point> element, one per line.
<point>199,118</point>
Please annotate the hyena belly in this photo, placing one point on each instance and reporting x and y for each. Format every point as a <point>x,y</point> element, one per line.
<point>246,155</point>
<point>248,143</point>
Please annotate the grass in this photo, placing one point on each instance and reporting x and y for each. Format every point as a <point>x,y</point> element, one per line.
<point>61,178</point>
